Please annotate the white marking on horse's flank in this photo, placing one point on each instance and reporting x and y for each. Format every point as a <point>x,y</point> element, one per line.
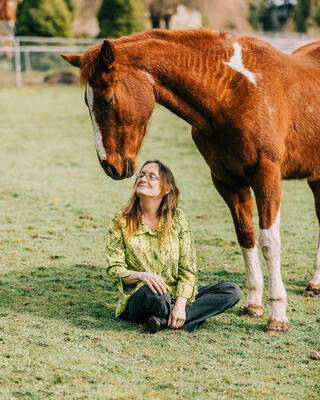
<point>270,242</point>
<point>96,130</point>
<point>150,79</point>
<point>315,279</point>
<point>236,63</point>
<point>254,276</point>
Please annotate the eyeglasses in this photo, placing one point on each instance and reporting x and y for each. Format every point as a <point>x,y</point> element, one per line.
<point>151,177</point>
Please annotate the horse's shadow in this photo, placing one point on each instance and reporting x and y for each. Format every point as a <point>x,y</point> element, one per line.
<point>77,294</point>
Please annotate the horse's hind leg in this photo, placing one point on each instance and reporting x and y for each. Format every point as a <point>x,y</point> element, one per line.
<point>313,288</point>
<point>240,203</point>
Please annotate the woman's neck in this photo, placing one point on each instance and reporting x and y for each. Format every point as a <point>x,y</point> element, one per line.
<point>149,207</point>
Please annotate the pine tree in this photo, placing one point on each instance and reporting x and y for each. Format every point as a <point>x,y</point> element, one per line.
<point>302,13</point>
<point>44,18</point>
<point>120,17</point>
<point>314,19</point>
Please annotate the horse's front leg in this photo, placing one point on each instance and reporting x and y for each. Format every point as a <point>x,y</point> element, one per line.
<point>241,206</point>
<point>267,188</point>
<point>240,203</point>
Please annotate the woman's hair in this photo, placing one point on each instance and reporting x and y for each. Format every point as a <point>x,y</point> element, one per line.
<point>132,213</point>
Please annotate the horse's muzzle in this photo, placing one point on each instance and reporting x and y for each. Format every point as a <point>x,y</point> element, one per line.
<point>113,173</point>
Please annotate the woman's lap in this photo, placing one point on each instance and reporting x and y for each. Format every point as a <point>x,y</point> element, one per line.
<point>211,300</point>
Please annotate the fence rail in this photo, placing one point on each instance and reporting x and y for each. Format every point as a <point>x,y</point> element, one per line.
<point>26,45</point>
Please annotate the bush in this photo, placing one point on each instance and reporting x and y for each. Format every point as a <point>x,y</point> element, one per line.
<point>44,18</point>
<point>120,17</point>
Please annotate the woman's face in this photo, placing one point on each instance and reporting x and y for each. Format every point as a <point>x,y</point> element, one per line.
<point>148,182</point>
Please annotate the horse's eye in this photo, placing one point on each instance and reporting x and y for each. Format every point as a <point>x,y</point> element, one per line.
<point>107,101</point>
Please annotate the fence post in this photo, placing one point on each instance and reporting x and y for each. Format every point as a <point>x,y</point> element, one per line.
<point>17,62</point>
<point>27,61</point>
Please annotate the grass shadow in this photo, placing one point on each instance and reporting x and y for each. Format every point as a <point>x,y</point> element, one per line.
<point>79,294</point>
<point>208,277</point>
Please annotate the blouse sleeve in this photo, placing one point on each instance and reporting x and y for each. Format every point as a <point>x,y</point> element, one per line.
<point>116,259</point>
<point>187,277</point>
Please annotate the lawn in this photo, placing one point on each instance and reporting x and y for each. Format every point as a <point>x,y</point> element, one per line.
<point>58,335</point>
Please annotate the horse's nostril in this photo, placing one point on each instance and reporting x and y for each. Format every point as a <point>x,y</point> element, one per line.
<point>112,172</point>
<point>109,169</point>
<point>127,172</point>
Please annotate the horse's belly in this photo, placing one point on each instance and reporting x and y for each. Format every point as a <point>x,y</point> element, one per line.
<point>302,163</point>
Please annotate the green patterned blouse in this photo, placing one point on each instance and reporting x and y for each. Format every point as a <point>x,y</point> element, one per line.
<point>174,260</point>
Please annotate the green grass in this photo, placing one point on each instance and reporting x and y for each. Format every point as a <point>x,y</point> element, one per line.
<point>58,335</point>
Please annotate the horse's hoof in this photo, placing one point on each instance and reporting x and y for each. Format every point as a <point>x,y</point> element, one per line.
<point>274,326</point>
<point>315,355</point>
<point>312,290</point>
<point>253,311</point>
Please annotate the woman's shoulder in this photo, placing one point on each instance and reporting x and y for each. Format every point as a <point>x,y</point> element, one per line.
<point>179,218</point>
<point>115,222</point>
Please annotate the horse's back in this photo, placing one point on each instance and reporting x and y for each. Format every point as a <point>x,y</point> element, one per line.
<point>309,51</point>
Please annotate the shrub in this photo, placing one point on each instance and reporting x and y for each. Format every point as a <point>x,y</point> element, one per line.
<point>120,17</point>
<point>44,18</point>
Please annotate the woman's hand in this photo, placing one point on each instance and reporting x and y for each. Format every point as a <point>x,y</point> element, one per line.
<point>178,314</point>
<point>154,282</point>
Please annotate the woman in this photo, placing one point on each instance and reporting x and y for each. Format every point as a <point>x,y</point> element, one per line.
<point>151,259</point>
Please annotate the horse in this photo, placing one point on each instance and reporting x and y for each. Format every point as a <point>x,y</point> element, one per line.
<point>255,117</point>
<point>8,20</point>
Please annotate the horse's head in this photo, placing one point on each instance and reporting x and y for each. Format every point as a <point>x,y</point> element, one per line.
<point>120,99</point>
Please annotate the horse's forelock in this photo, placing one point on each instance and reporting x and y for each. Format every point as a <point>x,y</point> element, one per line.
<point>89,61</point>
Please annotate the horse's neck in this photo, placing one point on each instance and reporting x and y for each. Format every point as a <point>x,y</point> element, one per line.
<point>183,75</point>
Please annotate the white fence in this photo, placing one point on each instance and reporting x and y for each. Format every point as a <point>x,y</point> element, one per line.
<point>23,46</point>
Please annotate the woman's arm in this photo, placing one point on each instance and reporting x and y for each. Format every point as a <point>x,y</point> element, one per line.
<point>187,272</point>
<point>178,314</point>
<point>154,282</point>
<point>187,275</point>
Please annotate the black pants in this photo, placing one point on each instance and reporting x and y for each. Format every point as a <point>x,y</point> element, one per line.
<point>210,300</point>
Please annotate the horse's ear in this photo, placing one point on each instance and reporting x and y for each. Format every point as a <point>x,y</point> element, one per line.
<point>107,53</point>
<point>73,59</point>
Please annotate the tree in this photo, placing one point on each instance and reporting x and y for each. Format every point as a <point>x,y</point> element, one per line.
<point>307,15</point>
<point>302,13</point>
<point>120,17</point>
<point>44,18</point>
<point>70,6</point>
<point>314,18</point>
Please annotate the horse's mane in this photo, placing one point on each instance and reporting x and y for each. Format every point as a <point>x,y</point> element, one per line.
<point>188,38</point>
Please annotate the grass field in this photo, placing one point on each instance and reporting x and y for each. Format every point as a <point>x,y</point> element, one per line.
<point>58,335</point>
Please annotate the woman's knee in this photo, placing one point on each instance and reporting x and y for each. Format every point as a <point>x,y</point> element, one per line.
<point>157,304</point>
<point>232,289</point>
<point>236,291</point>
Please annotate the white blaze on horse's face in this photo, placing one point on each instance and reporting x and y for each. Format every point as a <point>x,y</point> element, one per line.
<point>236,63</point>
<point>97,133</point>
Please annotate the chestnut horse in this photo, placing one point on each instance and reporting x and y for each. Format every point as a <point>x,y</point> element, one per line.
<point>255,116</point>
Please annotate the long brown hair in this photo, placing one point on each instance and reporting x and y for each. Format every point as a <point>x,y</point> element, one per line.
<point>132,214</point>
